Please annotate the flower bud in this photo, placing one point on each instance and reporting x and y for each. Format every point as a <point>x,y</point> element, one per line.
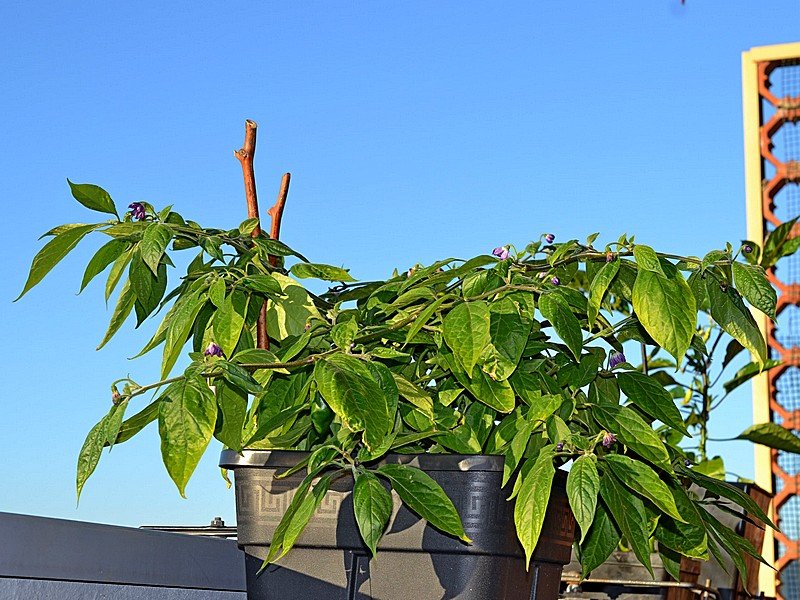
<point>559,446</point>
<point>747,249</point>
<point>213,350</point>
<point>609,439</point>
<point>555,281</point>
<point>115,395</point>
<point>549,238</point>
<point>616,358</point>
<point>137,211</point>
<point>501,252</point>
<point>609,256</point>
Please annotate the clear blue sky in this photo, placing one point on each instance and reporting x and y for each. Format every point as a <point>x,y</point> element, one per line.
<point>413,130</point>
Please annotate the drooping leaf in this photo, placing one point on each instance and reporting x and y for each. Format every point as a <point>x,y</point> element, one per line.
<point>107,254</point>
<point>495,394</point>
<point>728,310</point>
<point>90,452</point>
<point>466,332</point>
<point>289,317</point>
<point>154,241</point>
<point>229,320</point>
<point>508,332</point>
<point>186,418</point>
<point>347,385</point>
<point>531,501</point>
<point>52,253</point>
<point>123,308</point>
<point>555,309</point>
<point>583,486</point>
<point>177,332</point>
<point>752,283</point>
<point>634,432</point>
<point>649,395</point>
<point>667,310</point>
<point>601,541</point>
<point>372,506</point>
<point>644,481</point>
<point>599,286</point>
<point>423,317</point>
<point>148,287</point>
<point>232,403</point>
<point>629,514</point>
<point>425,497</point>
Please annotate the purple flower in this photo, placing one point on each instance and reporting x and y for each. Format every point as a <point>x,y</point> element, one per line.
<point>501,252</point>
<point>747,249</point>
<point>213,350</point>
<point>609,439</point>
<point>559,446</point>
<point>609,256</point>
<point>555,281</point>
<point>687,463</point>
<point>137,211</point>
<point>616,358</point>
<point>549,238</point>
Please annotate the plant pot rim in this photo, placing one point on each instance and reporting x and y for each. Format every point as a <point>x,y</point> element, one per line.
<point>230,459</point>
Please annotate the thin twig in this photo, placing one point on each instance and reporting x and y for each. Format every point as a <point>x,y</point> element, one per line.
<point>245,156</point>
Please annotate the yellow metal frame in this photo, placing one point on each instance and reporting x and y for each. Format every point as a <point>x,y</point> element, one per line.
<point>751,108</point>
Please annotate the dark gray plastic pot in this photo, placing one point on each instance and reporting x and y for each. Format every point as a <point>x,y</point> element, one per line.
<point>330,562</point>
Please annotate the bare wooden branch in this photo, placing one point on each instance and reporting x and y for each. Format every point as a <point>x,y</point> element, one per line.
<point>276,212</point>
<point>245,156</point>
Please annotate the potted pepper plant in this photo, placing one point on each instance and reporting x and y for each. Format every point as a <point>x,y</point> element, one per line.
<point>408,437</point>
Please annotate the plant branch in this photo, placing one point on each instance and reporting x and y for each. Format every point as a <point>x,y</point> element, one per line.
<point>276,213</point>
<point>245,156</point>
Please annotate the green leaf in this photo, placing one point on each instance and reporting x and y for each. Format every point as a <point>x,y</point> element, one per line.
<point>687,538</point>
<point>414,394</point>
<point>629,513</point>
<point>186,418</point>
<point>123,308</point>
<point>347,384</point>
<point>599,286</point>
<point>248,226</point>
<point>667,310</point>
<point>634,432</point>
<point>317,271</point>
<point>90,452</point>
<point>773,436</point>
<point>180,325</point>
<point>649,395</point>
<point>601,541</point>
<point>217,291</point>
<point>583,485</point>
<point>425,497</point>
<point>728,310</point>
<point>495,394</point>
<point>117,270</point>
<point>228,321</point>
<point>114,424</point>
<point>52,253</point>
<point>713,467</point>
<point>508,332</point>
<point>731,492</point>
<point>747,372</point>
<point>149,288</point>
<point>107,254</point>
<point>423,318</point>
<point>133,425</point>
<point>531,501</point>
<point>372,506</point>
<point>773,245</point>
<point>556,310</point>
<point>644,481</point>
<point>154,241</point>
<point>93,197</point>
<point>263,284</point>
<point>752,283</point>
<point>289,316</point>
<point>466,332</point>
<point>647,259</point>
<point>343,334</point>
<point>232,403</point>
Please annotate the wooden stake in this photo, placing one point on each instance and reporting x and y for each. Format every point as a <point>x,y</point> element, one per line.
<point>245,156</point>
